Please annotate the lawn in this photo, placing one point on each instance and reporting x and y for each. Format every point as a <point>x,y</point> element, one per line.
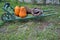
<point>46,28</point>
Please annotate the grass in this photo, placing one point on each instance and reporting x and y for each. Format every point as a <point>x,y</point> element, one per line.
<point>32,29</point>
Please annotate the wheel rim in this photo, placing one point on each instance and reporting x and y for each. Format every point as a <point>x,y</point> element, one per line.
<point>6,17</point>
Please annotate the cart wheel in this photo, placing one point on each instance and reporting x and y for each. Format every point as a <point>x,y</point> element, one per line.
<point>5,17</point>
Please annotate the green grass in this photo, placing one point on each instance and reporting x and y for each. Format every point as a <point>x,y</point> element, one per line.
<point>26,32</point>
<point>31,30</point>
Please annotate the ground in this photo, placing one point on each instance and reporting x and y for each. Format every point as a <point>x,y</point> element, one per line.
<point>46,28</point>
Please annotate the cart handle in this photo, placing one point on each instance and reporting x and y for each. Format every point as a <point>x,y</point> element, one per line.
<point>47,10</point>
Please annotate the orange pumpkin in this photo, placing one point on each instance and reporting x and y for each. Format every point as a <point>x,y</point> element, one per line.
<point>17,10</point>
<point>22,13</point>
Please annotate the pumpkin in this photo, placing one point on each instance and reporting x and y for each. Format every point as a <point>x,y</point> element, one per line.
<point>17,10</point>
<point>22,13</point>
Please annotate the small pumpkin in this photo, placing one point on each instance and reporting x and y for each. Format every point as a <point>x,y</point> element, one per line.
<point>22,13</point>
<point>17,10</point>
